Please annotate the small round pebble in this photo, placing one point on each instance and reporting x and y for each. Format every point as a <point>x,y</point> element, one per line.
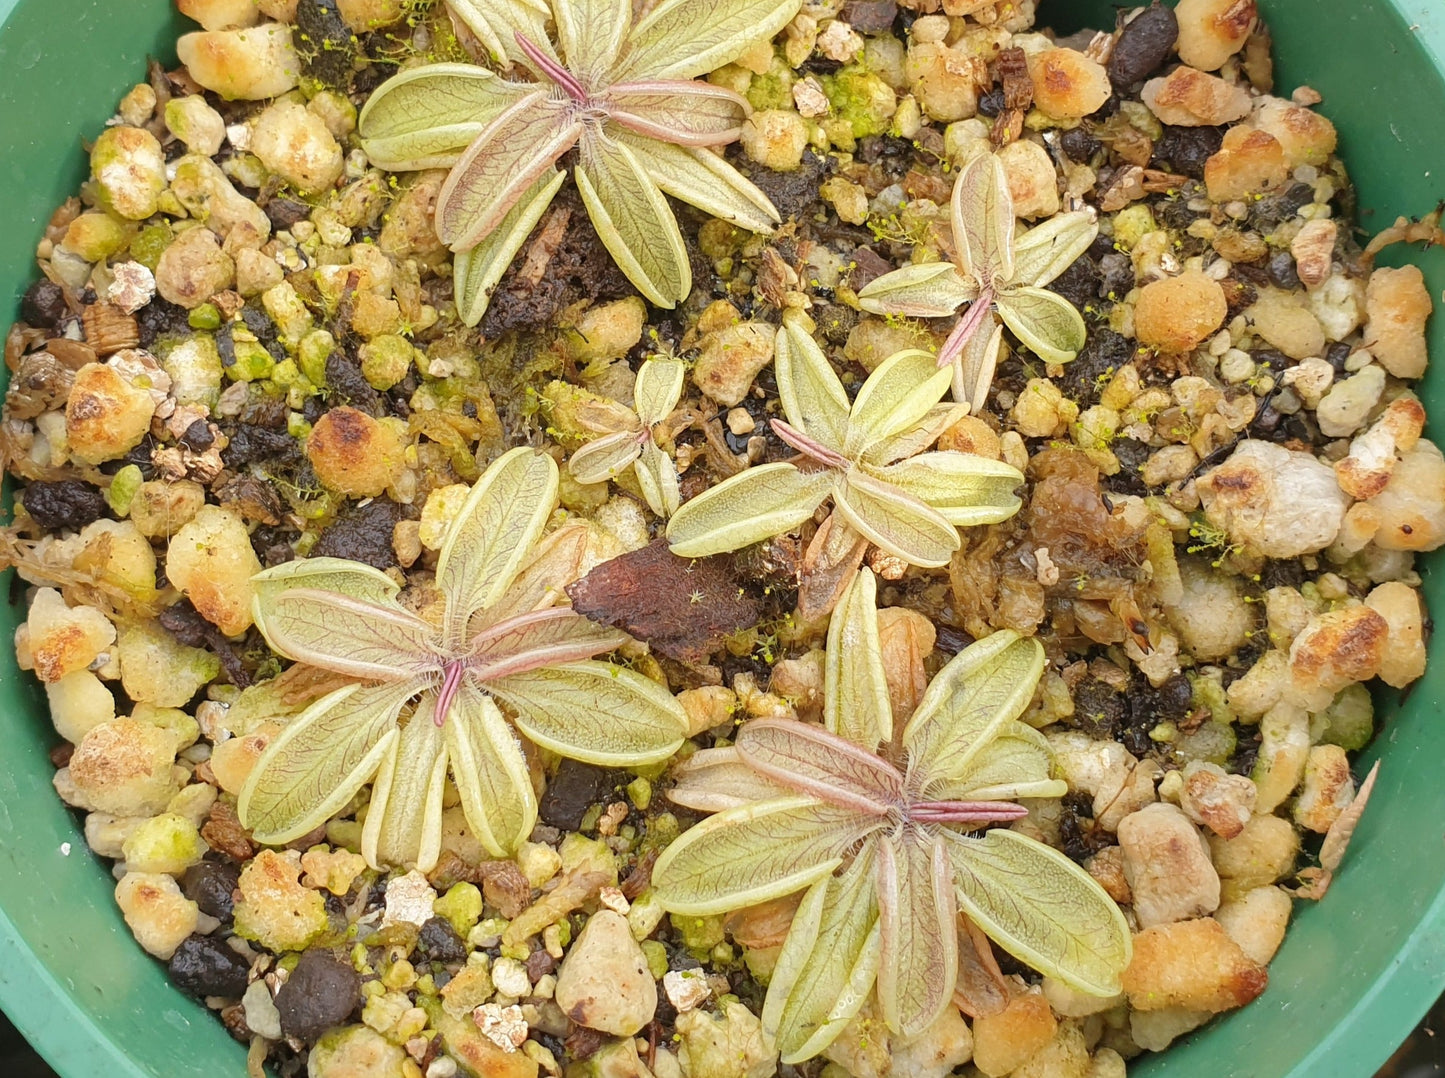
<point>205,966</point>
<point>320,993</point>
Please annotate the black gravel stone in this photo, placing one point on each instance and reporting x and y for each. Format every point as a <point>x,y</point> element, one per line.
<point>1078,144</point>
<point>1143,46</point>
<point>251,443</point>
<point>1116,275</point>
<point>64,504</point>
<point>320,993</point>
<point>363,534</point>
<point>323,42</point>
<point>285,212</point>
<point>440,942</point>
<point>160,318</point>
<point>211,884</point>
<point>205,966</point>
<point>43,305</point>
<point>1281,270</point>
<point>574,789</point>
<point>1185,149</point>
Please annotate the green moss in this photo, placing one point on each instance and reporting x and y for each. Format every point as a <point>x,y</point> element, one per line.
<point>773,90</point>
<point>699,934</point>
<point>461,906</point>
<point>861,99</point>
<point>122,489</point>
<point>149,245</point>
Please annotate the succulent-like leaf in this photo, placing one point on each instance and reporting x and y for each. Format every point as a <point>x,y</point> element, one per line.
<point>1044,252</point>
<point>425,117</point>
<point>895,397</point>
<point>515,150</point>
<point>314,766</point>
<point>658,389</point>
<point>1044,321</point>
<point>983,688</point>
<point>891,518</point>
<point>591,33</point>
<point>914,440</point>
<point>493,533</point>
<point>633,220</point>
<point>476,272</point>
<point>750,854</point>
<point>965,489</point>
<point>681,39</point>
<point>751,506</point>
<point>657,476</point>
<point>683,113</point>
<point>812,761</point>
<point>375,641</point>
<point>983,220</point>
<point>490,773</point>
<point>498,22</point>
<point>703,179</point>
<point>714,780</point>
<point>537,639</point>
<point>1041,908</point>
<point>918,918</point>
<point>594,712</point>
<point>1016,763</point>
<point>604,459</point>
<point>813,398</point>
<point>556,561</point>
<point>828,962</point>
<point>974,368</point>
<point>404,822</point>
<point>351,578</point>
<point>855,689</point>
<point>922,290</point>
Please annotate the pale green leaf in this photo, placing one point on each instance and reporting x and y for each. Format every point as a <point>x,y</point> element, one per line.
<point>657,476</point>
<point>749,507</point>
<point>889,517</point>
<point>658,388</point>
<point>813,761</point>
<point>681,39</point>
<point>922,290</point>
<point>964,488</point>
<point>507,159</point>
<point>813,398</point>
<point>827,965</point>
<point>427,116</point>
<point>1017,762</point>
<point>1042,253</point>
<point>404,822</point>
<point>703,179</point>
<point>376,641</point>
<point>983,221</point>
<point>755,853</point>
<point>975,366</point>
<point>476,272</point>
<point>556,561</point>
<point>315,765</point>
<point>916,439</point>
<point>591,33</point>
<point>490,772</point>
<point>349,578</point>
<point>497,23</point>
<point>899,393</point>
<point>855,689</point>
<point>633,220</point>
<point>918,919</point>
<point>1042,908</point>
<point>594,712</point>
<point>539,638</point>
<point>1046,323</point>
<point>714,780</point>
<point>978,693</point>
<point>604,459</point>
<point>493,533</point>
<point>683,113</point>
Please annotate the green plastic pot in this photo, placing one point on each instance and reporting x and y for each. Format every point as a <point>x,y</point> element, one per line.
<point>1356,972</point>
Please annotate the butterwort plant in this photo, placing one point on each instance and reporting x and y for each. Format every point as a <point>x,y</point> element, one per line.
<point>869,456</point>
<point>891,835</point>
<point>997,275</point>
<point>426,692</point>
<point>624,94</point>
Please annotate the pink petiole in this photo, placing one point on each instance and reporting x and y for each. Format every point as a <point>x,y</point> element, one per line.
<point>807,446</point>
<point>967,326</point>
<point>965,812</point>
<point>553,70</point>
<point>452,675</point>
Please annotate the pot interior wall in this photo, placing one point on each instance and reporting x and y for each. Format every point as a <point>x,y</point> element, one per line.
<point>1356,971</point>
